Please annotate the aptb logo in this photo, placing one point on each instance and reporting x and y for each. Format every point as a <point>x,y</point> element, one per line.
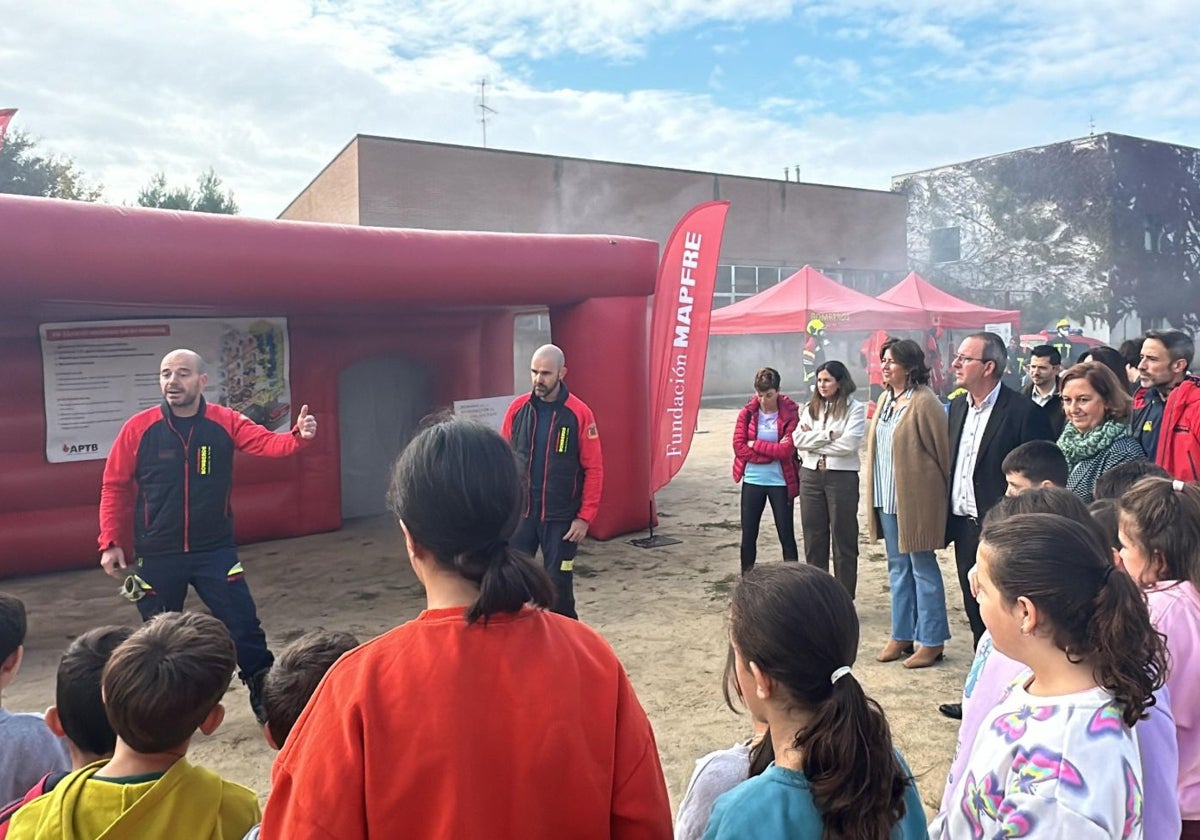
<point>80,448</point>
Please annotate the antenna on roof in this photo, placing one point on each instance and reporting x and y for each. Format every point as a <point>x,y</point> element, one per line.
<point>785,174</point>
<point>797,173</point>
<point>484,110</point>
<point>1091,125</point>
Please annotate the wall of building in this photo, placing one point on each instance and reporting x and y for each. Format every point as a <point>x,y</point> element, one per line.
<point>774,227</point>
<point>1029,229</point>
<point>1104,230</point>
<point>1156,233</point>
<point>429,185</point>
<point>333,194</point>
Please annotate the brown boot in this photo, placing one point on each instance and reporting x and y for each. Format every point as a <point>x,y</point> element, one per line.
<point>925,656</point>
<point>893,650</point>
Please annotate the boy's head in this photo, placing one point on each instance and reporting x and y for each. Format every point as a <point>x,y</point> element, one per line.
<point>78,713</point>
<point>167,679</point>
<point>1113,483</point>
<point>12,637</point>
<point>295,676</point>
<point>1035,463</point>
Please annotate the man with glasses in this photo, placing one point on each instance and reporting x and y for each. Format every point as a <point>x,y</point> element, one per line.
<point>986,423</point>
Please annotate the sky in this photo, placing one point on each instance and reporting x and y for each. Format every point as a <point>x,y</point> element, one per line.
<point>851,91</point>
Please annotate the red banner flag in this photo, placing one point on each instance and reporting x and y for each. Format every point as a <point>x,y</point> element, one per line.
<point>6,115</point>
<point>679,335</point>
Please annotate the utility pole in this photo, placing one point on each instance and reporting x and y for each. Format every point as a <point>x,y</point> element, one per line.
<point>484,110</point>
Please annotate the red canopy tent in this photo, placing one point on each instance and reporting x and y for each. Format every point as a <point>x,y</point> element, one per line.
<point>943,308</point>
<point>788,307</point>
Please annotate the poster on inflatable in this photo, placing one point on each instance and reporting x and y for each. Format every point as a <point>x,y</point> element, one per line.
<point>489,410</point>
<point>98,374</point>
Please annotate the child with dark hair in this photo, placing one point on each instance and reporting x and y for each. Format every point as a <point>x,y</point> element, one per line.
<point>293,678</point>
<point>1159,530</point>
<point>836,772</point>
<point>28,750</point>
<point>78,713</point>
<point>1035,463</point>
<point>160,685</point>
<point>1114,483</point>
<point>1058,756</point>
<point>722,770</point>
<point>993,673</point>
<point>486,716</point>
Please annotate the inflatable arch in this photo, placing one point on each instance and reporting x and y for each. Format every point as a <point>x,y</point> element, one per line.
<point>443,301</point>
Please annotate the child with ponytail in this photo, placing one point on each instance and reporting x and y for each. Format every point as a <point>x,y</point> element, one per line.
<point>1057,756</point>
<point>836,774</point>
<point>486,715</point>
<point>1158,526</point>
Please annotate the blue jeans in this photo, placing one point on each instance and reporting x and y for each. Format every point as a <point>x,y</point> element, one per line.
<point>918,597</point>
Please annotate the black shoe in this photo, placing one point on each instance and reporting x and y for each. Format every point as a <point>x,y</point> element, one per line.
<point>951,710</point>
<point>254,684</point>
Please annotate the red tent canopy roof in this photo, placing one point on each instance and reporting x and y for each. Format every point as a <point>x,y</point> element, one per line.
<point>944,308</point>
<point>788,307</point>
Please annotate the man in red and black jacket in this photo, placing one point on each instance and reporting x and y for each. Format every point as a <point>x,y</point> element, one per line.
<point>170,473</point>
<point>1166,408</point>
<point>554,434</point>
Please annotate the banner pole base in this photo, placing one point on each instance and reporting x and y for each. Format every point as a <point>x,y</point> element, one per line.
<point>655,541</point>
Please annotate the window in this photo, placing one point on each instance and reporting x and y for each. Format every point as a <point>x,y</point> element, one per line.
<point>745,281</point>
<point>945,245</point>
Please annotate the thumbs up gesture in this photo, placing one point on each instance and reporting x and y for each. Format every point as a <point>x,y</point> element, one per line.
<point>306,423</point>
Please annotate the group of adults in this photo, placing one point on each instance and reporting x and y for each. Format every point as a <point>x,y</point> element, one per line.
<point>934,471</point>
<point>169,477</point>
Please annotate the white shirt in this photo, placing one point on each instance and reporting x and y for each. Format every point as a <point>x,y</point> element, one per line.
<point>962,497</point>
<point>1039,398</point>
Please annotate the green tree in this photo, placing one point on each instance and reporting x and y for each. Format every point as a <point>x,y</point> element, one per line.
<point>25,171</point>
<point>207,197</point>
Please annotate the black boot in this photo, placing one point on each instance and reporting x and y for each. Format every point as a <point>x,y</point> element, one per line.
<point>254,684</point>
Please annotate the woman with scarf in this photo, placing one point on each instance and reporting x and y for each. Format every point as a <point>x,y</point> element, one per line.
<point>1096,437</point>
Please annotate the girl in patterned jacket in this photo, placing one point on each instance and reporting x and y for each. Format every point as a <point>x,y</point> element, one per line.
<point>1058,756</point>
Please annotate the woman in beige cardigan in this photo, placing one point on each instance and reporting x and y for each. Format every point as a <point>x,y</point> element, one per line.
<point>908,470</point>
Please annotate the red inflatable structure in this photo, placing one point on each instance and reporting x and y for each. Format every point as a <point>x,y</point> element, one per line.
<point>442,301</point>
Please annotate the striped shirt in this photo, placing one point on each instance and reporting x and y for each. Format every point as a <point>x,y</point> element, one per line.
<point>884,469</point>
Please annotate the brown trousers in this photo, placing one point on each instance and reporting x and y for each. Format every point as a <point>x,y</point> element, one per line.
<point>829,514</point>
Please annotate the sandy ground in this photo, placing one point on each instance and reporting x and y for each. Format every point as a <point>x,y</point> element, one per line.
<point>663,610</point>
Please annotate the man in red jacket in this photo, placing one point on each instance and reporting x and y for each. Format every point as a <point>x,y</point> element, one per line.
<point>1166,408</point>
<point>555,437</point>
<point>170,473</point>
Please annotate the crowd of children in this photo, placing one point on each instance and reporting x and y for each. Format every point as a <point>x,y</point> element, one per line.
<point>489,716</point>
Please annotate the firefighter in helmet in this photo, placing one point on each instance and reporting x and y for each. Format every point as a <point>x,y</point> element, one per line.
<point>814,351</point>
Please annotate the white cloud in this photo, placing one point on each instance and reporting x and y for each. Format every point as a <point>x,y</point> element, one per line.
<point>268,92</point>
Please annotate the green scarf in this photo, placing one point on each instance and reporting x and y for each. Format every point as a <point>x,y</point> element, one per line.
<point>1079,446</point>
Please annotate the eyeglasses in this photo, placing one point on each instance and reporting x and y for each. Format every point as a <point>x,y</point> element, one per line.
<point>959,359</point>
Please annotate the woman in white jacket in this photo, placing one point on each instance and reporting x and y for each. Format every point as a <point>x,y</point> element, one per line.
<point>828,439</point>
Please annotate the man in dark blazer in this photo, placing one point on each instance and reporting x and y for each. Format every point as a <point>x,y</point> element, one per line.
<point>986,423</point>
<point>1045,363</point>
